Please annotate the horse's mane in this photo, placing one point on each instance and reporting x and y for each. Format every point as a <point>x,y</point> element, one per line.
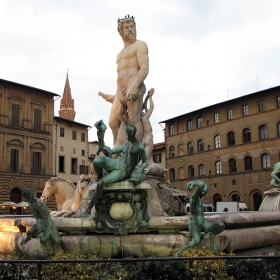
<point>59,178</point>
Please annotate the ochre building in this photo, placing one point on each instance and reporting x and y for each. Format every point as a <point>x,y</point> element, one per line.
<point>26,140</point>
<point>232,146</point>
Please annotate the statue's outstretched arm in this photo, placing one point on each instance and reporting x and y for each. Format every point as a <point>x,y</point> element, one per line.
<point>108,97</point>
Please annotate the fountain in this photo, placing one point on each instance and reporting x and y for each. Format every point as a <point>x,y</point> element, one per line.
<point>120,214</point>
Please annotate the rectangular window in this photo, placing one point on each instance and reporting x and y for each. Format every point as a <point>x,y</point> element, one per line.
<point>83,152</point>
<point>229,114</point>
<point>278,101</point>
<point>171,130</point>
<point>261,106</point>
<point>199,122</point>
<point>83,137</point>
<point>157,158</point>
<point>233,182</point>
<point>61,132</point>
<point>74,165</point>
<point>37,119</point>
<point>200,145</point>
<point>61,164</point>
<point>190,125</point>
<point>190,148</point>
<point>14,160</point>
<point>74,134</point>
<point>37,162</point>
<point>83,169</point>
<point>216,117</point>
<point>15,114</point>
<point>245,111</point>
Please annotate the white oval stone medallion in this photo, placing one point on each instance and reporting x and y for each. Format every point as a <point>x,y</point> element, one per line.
<point>121,211</point>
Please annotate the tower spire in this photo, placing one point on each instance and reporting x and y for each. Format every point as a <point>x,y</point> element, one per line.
<point>67,102</point>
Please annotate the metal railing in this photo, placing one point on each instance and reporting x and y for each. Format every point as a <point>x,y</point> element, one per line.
<point>190,260</point>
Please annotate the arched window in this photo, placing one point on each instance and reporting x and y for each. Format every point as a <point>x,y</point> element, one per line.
<point>235,197</point>
<point>189,125</point>
<point>218,166</point>
<point>263,131</point>
<point>278,129</point>
<point>201,170</point>
<point>246,135</point>
<point>199,122</point>
<point>171,130</point>
<point>232,165</point>
<point>171,151</point>
<point>200,146</point>
<point>180,150</point>
<point>172,174</point>
<point>231,138</point>
<point>190,147</point>
<point>181,173</point>
<point>191,171</point>
<point>265,161</point>
<point>217,140</point>
<point>248,165</point>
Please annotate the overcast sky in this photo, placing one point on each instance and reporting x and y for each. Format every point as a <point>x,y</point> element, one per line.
<point>201,52</point>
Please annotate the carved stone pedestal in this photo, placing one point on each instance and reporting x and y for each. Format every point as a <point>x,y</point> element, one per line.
<point>122,208</point>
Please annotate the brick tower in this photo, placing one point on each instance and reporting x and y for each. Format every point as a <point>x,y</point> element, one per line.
<point>67,103</point>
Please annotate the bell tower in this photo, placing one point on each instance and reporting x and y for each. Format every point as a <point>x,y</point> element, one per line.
<point>67,103</point>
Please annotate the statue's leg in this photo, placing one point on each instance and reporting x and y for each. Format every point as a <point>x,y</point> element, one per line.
<point>96,196</point>
<point>195,233</point>
<point>214,227</point>
<point>97,165</point>
<point>112,177</point>
<point>134,112</point>
<point>114,121</point>
<point>32,232</point>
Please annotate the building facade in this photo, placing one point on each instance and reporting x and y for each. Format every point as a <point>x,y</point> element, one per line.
<point>71,149</point>
<point>26,139</point>
<point>158,154</point>
<point>232,146</point>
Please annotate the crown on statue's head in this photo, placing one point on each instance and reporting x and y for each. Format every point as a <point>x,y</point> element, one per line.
<point>127,18</point>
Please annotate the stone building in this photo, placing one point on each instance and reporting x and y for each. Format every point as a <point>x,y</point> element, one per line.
<point>232,146</point>
<point>71,149</point>
<point>26,140</point>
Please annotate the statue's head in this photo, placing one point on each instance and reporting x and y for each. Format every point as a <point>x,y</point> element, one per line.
<point>131,130</point>
<point>127,28</point>
<point>28,193</point>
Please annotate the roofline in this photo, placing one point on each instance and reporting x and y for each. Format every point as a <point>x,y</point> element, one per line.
<point>73,122</point>
<point>221,103</point>
<point>28,87</point>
